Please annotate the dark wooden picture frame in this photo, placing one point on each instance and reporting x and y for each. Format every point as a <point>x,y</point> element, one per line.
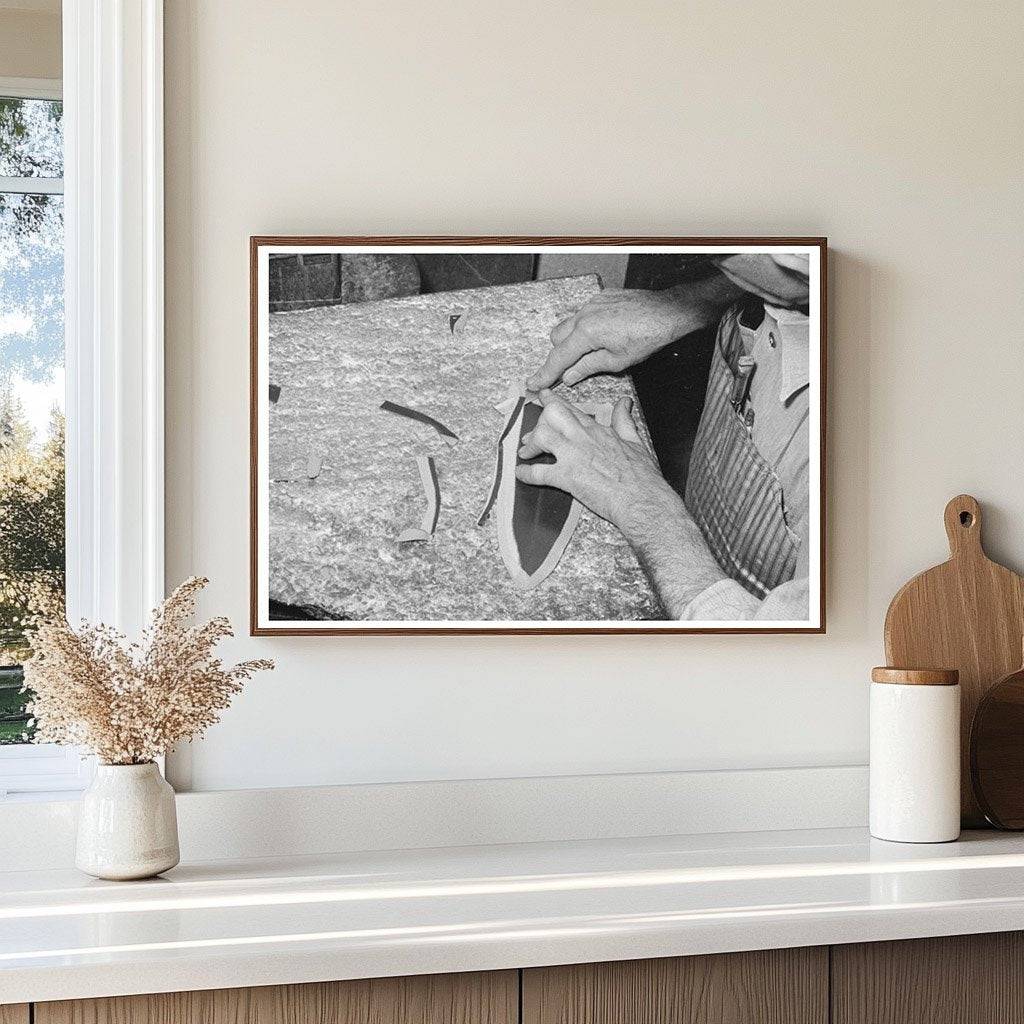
<point>532,243</point>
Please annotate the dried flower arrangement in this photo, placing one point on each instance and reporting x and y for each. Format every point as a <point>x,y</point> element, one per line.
<point>130,703</point>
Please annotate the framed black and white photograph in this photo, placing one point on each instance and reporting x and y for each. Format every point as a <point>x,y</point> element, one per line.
<point>537,435</point>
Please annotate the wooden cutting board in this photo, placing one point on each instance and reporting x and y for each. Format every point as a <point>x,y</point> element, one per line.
<point>967,614</point>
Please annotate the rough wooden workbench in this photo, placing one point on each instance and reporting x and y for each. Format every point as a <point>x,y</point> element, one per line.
<point>333,538</point>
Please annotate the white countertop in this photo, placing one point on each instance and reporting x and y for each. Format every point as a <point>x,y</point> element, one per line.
<point>262,922</point>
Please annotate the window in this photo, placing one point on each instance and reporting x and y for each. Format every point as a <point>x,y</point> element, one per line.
<point>31,383</point>
<point>32,513</point>
<point>91,172</point>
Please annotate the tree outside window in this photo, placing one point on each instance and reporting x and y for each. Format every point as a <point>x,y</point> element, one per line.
<point>31,387</point>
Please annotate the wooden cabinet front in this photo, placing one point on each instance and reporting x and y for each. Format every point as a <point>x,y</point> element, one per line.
<point>968,979</point>
<point>491,998</point>
<point>777,986</point>
<point>961,979</point>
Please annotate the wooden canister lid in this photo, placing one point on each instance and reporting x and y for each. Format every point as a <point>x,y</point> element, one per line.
<point>916,676</point>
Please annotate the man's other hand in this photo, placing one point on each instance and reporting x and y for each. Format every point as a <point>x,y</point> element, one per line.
<point>606,468</point>
<point>615,330</point>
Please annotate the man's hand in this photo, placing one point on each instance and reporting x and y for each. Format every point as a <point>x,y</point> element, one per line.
<point>621,327</point>
<point>606,468</point>
<point>613,331</point>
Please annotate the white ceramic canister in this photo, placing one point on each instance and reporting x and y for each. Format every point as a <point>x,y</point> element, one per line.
<point>915,755</point>
<point>127,825</point>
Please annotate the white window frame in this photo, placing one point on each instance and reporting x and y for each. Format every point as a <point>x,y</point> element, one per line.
<point>32,88</point>
<point>114,325</point>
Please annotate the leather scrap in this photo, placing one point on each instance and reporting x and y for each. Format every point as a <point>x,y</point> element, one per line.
<point>432,492</point>
<point>419,417</point>
<point>534,524</point>
<point>513,415</point>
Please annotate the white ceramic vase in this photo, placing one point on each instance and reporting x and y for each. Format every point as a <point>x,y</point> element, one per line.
<point>127,825</point>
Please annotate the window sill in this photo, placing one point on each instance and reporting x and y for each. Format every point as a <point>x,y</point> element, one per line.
<point>43,771</point>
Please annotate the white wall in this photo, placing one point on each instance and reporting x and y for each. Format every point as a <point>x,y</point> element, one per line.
<point>30,39</point>
<point>895,129</point>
